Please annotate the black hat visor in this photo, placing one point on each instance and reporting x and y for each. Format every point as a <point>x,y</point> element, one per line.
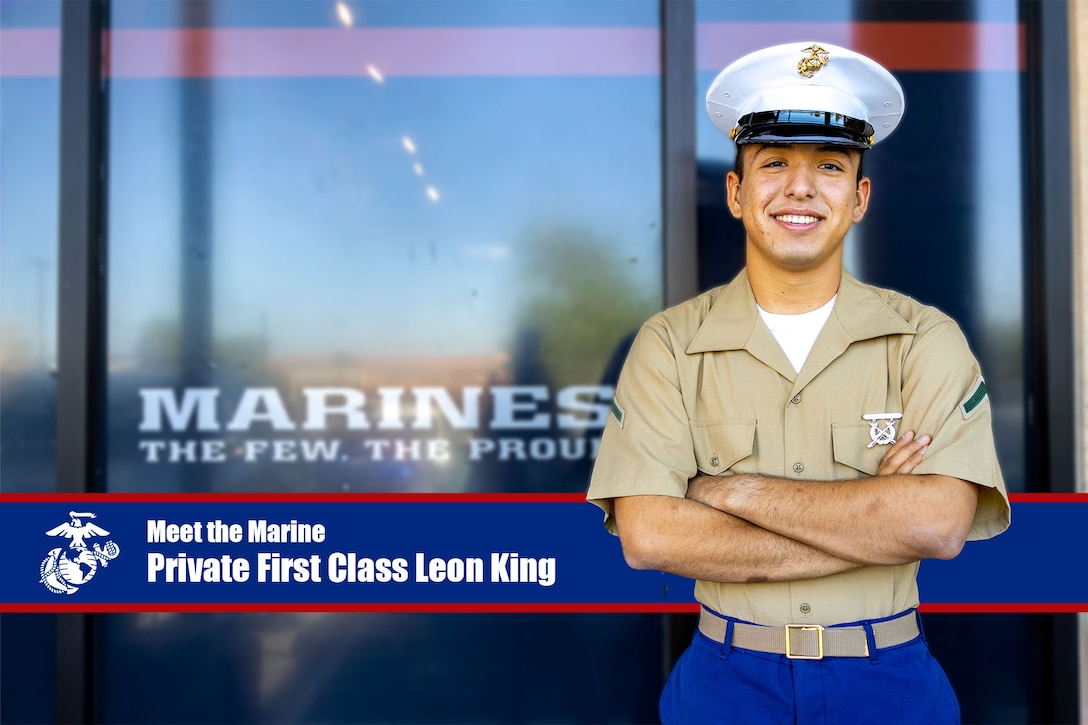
<point>804,127</point>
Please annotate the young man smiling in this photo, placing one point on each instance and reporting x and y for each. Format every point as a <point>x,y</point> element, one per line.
<point>797,441</point>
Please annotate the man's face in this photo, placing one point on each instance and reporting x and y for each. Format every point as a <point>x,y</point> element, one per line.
<point>797,203</point>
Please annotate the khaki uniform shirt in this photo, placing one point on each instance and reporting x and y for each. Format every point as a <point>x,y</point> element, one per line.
<point>706,389</point>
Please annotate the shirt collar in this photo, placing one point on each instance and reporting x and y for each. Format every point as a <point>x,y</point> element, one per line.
<point>859,310</point>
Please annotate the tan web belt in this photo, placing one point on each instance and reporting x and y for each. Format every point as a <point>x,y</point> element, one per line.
<point>811,641</point>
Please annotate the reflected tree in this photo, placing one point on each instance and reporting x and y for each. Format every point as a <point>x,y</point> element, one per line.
<point>584,299</point>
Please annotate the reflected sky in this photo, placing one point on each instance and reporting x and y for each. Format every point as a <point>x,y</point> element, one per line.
<point>325,231</point>
<point>389,13</point>
<point>366,212</point>
<point>28,219</point>
<point>376,214</point>
<point>405,213</point>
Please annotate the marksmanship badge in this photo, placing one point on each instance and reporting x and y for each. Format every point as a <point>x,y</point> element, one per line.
<point>881,428</point>
<point>64,572</point>
<point>816,59</point>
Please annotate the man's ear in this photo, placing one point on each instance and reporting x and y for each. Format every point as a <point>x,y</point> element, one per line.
<point>732,193</point>
<point>862,197</point>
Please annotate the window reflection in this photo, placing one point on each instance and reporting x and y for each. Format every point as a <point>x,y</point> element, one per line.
<point>29,128</point>
<point>383,247</point>
<point>29,164</point>
<point>417,231</point>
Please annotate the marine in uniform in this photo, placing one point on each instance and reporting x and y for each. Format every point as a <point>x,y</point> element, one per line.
<point>796,440</point>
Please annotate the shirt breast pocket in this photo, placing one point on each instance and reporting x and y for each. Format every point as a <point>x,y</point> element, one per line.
<point>851,444</point>
<point>721,445</point>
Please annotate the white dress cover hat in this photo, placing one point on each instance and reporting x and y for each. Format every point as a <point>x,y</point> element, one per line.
<point>806,93</point>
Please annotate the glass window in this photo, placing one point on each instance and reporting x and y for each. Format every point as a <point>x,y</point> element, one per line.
<point>342,261</point>
<point>29,129</point>
<point>382,247</point>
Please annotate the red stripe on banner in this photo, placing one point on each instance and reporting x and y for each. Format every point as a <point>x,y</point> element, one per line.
<point>1004,608</point>
<point>300,497</point>
<point>294,497</point>
<point>423,52</point>
<point>1048,497</point>
<point>476,608</point>
<point>899,46</point>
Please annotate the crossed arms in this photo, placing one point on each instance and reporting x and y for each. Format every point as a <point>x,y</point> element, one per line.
<point>752,528</point>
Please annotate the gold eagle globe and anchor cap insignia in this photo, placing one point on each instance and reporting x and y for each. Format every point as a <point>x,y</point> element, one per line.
<point>811,64</point>
<point>832,95</point>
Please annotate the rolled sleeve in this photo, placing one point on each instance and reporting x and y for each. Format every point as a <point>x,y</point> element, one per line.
<point>646,447</point>
<point>941,378</point>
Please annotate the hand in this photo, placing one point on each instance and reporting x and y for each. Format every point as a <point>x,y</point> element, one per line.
<point>904,455</point>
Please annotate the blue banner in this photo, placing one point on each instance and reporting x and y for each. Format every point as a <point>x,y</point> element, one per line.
<point>356,551</point>
<point>423,552</point>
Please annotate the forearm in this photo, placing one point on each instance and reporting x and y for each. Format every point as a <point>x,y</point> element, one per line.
<point>888,519</point>
<point>690,539</point>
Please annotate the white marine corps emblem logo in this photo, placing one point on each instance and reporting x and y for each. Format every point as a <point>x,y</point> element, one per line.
<point>65,571</point>
<point>881,428</point>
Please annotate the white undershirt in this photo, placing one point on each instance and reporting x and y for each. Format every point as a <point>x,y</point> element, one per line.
<point>797,333</point>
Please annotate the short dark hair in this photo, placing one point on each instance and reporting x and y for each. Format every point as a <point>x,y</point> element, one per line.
<point>738,163</point>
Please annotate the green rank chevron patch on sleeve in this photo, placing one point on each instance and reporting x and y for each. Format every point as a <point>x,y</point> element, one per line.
<point>618,412</point>
<point>973,399</point>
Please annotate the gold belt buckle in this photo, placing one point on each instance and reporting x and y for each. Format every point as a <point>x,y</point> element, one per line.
<point>819,641</point>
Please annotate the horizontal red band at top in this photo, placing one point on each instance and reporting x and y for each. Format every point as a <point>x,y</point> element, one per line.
<point>382,497</point>
<point>377,53</point>
<point>1003,607</point>
<point>294,497</point>
<point>932,46</point>
<point>391,608</point>
<point>1048,497</point>
<point>359,497</point>
<point>380,53</point>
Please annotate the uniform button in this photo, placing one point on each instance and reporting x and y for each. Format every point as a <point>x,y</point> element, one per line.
<point>796,399</point>
<point>805,608</point>
<point>714,461</point>
<point>798,467</point>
